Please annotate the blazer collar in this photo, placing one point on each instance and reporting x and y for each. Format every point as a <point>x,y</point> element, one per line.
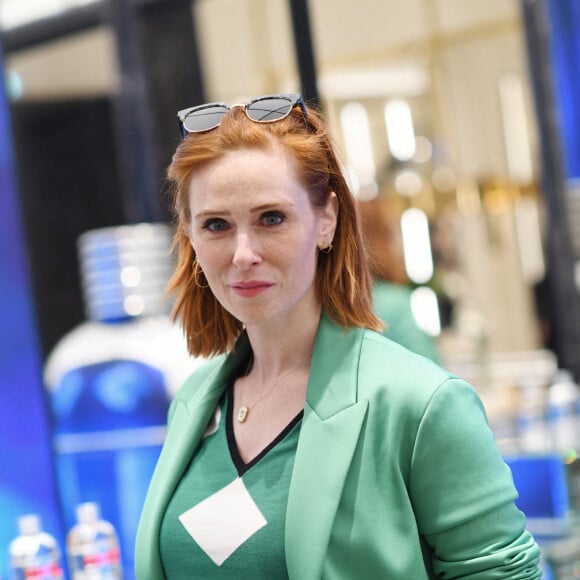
<point>333,418</point>
<point>191,417</point>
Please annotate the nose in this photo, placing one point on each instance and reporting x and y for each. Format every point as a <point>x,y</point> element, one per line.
<point>245,252</point>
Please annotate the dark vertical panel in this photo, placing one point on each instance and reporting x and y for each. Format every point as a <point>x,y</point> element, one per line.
<point>304,47</point>
<point>173,66</point>
<point>160,73</point>
<point>135,130</point>
<point>560,286</point>
<point>69,183</point>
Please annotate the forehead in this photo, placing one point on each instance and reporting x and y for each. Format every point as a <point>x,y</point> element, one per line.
<point>273,155</point>
<point>245,174</point>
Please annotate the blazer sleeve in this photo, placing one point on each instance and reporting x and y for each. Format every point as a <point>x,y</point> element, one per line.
<point>463,493</point>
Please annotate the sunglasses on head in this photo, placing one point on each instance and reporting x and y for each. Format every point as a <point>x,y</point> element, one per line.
<point>266,109</point>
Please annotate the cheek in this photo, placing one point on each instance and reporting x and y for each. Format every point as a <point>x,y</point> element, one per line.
<point>306,258</point>
<point>211,256</point>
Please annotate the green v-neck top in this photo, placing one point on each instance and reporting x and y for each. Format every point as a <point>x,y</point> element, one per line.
<point>226,518</point>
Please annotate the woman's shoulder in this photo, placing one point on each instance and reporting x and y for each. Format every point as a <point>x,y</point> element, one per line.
<point>377,345</point>
<point>385,365</point>
<point>404,388</point>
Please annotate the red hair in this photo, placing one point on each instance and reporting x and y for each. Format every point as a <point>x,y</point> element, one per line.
<point>386,259</point>
<point>342,277</point>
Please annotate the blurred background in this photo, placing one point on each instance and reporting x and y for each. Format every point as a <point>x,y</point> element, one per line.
<point>459,117</point>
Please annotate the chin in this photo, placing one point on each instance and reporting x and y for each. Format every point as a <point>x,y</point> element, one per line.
<point>255,315</point>
<point>252,319</point>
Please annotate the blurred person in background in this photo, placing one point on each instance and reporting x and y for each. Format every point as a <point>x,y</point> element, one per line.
<point>310,446</point>
<point>391,292</point>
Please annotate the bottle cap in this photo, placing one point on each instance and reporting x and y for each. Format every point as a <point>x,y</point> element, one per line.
<point>125,270</point>
<point>88,513</point>
<point>563,376</point>
<point>563,389</point>
<point>29,524</point>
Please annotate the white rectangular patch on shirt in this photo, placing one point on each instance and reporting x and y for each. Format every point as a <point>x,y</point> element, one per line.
<point>221,523</point>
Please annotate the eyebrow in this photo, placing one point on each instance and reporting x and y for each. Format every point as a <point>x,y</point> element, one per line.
<point>257,209</point>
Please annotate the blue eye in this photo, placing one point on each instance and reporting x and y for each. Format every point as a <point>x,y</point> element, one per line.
<point>272,218</point>
<point>215,225</point>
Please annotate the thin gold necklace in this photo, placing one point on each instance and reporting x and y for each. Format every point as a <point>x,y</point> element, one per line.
<point>244,410</point>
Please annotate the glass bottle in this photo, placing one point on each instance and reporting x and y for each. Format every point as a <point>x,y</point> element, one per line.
<point>92,546</point>
<point>34,553</point>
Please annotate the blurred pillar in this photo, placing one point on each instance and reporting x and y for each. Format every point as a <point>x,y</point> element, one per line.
<point>562,290</point>
<point>159,74</point>
<point>304,47</point>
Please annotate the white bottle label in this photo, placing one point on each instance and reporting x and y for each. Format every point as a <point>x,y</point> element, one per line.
<point>50,571</point>
<point>96,564</point>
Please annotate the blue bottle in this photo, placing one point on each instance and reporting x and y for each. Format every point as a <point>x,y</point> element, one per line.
<point>111,379</point>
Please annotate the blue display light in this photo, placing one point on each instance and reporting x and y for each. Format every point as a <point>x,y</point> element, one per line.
<point>27,482</point>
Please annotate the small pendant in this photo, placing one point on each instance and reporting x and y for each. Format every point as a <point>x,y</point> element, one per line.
<point>242,413</point>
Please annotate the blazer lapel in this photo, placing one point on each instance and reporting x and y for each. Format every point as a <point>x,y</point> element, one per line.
<point>189,420</point>
<point>329,434</point>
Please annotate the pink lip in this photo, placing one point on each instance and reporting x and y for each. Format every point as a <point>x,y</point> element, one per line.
<point>250,288</point>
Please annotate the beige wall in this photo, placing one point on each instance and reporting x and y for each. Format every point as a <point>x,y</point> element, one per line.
<point>81,64</point>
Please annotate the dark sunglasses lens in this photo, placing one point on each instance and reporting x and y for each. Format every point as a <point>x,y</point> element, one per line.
<point>270,109</point>
<point>204,119</point>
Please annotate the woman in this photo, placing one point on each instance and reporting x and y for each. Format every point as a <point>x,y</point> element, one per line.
<point>390,292</point>
<point>311,447</point>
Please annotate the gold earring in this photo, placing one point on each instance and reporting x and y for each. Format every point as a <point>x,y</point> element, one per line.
<point>196,272</point>
<point>327,249</point>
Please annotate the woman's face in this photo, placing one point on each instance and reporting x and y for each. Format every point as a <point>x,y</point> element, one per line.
<point>256,235</point>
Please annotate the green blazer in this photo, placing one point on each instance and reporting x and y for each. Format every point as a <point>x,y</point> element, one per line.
<point>396,473</point>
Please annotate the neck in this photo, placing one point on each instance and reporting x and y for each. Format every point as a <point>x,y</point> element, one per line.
<point>275,351</point>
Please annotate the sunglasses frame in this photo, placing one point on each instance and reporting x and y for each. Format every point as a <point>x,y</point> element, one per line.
<point>295,100</point>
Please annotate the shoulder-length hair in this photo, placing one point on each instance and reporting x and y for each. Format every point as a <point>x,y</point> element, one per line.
<point>342,277</point>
